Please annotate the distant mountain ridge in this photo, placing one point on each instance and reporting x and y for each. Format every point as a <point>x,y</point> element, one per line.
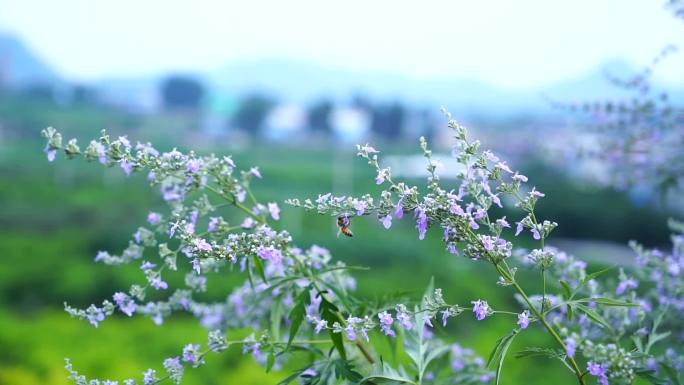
<point>20,67</point>
<point>302,82</point>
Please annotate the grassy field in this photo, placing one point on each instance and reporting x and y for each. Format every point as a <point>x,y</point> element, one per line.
<point>55,217</point>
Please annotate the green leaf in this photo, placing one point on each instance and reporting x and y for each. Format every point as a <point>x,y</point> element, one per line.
<point>345,369</point>
<point>328,312</point>
<point>649,375</point>
<point>596,274</point>
<point>259,265</point>
<point>421,350</point>
<point>498,354</point>
<point>270,361</point>
<point>297,314</point>
<point>671,373</point>
<point>594,316</point>
<point>291,377</point>
<point>276,318</point>
<point>608,302</point>
<point>566,289</point>
<point>385,373</point>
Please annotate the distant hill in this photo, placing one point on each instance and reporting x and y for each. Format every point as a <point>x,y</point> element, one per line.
<point>20,67</point>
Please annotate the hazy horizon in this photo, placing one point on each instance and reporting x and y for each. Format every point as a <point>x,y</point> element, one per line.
<point>85,41</point>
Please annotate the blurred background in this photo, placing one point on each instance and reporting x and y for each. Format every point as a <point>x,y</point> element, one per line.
<point>291,87</point>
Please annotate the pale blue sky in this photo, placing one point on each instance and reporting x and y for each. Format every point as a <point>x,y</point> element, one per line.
<point>514,44</point>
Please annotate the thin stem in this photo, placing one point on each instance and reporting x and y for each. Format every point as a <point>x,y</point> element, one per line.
<point>540,317</point>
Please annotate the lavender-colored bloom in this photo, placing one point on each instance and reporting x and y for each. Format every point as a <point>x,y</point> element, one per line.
<point>241,195</point>
<point>101,152</point>
<point>248,223</point>
<point>535,233</point>
<point>537,194</point>
<point>627,284</point>
<point>421,223</point>
<point>146,265</point>
<point>599,371</point>
<point>149,377</point>
<point>310,372</point>
<point>481,309</point>
<point>229,161</point>
<point>95,315</point>
<point>452,249</point>
<point>270,254</point>
<point>488,243</point>
<point>125,303</point>
<point>50,152</point>
<point>255,171</point>
<point>386,322</point>
<point>387,221</point>
<point>519,177</point>
<point>524,319</point>
<point>125,142</point>
<point>456,209</point>
<point>518,228</point>
<point>320,325</point>
<point>213,224</point>
<point>153,218</point>
<point>360,207</point>
<point>126,166</point>
<point>673,267</point>
<point>570,346</point>
<point>350,332</point>
<point>194,165</point>
<point>174,367</point>
<point>202,245</point>
<point>191,354</point>
<point>503,222</point>
<point>158,284</point>
<point>445,317</point>
<point>399,210</point>
<point>404,318</point>
<point>380,178</point>
<point>274,210</point>
<point>196,265</point>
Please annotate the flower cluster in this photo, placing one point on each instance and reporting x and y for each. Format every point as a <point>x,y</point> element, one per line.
<point>214,223</point>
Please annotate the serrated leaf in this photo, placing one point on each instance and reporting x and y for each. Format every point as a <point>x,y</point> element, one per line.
<point>345,369</point>
<point>608,302</point>
<point>498,354</point>
<point>328,312</point>
<point>567,291</point>
<point>596,274</point>
<point>297,314</point>
<point>259,265</point>
<point>270,361</point>
<point>671,373</point>
<point>383,372</point>
<point>650,376</point>
<point>594,316</point>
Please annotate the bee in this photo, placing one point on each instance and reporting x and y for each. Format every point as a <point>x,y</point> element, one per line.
<point>343,223</point>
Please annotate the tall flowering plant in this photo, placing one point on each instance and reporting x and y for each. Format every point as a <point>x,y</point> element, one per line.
<point>300,300</point>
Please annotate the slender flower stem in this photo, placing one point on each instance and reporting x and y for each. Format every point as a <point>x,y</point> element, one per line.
<point>542,319</point>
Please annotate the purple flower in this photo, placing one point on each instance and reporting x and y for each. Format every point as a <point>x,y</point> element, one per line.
<point>452,248</point>
<point>537,194</point>
<point>360,207</point>
<point>518,228</point>
<point>386,322</point>
<point>270,254</point>
<point>126,166</point>
<point>194,165</point>
<point>125,142</point>
<point>535,233</point>
<point>153,218</point>
<point>524,319</point>
<point>213,224</point>
<point>599,371</point>
<point>503,222</point>
<point>241,195</point>
<point>570,346</point>
<point>101,152</point>
<point>149,377</point>
<point>519,177</point>
<point>320,325</point>
<point>445,317</point>
<point>456,209</point>
<point>481,309</point>
<point>380,179</point>
<point>421,223</point>
<point>50,152</point>
<point>202,245</point>
<point>125,303</point>
<point>387,221</point>
<point>95,315</point>
<point>404,318</point>
<point>626,284</point>
<point>174,367</point>
<point>145,266</point>
<point>399,210</point>
<point>158,284</point>
<point>274,210</point>
<point>248,223</point>
<point>488,242</point>
<point>255,171</point>
<point>229,161</point>
<point>196,265</point>
<point>350,332</point>
<point>191,353</point>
